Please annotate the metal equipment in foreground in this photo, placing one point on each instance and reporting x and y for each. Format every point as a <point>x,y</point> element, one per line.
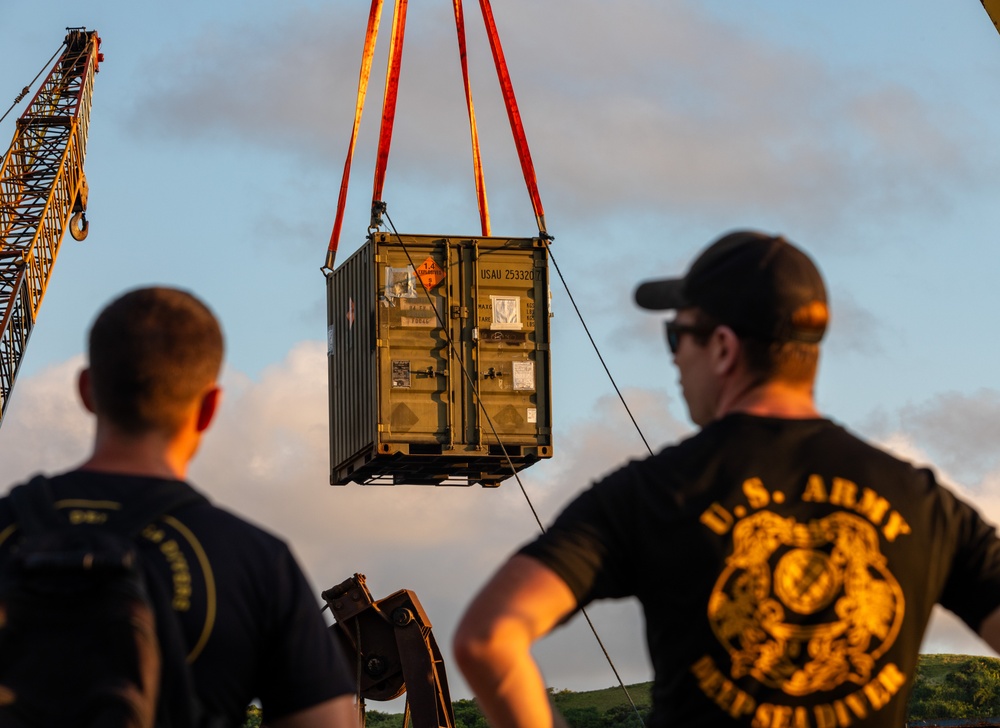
<point>43,193</point>
<point>439,360</point>
<point>394,651</point>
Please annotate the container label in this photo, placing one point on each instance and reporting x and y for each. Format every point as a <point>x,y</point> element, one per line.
<point>400,374</point>
<point>490,318</point>
<point>524,375</point>
<point>329,340</point>
<point>506,337</point>
<point>532,416</point>
<point>430,273</point>
<point>509,274</point>
<point>400,282</point>
<point>417,314</point>
<point>506,312</point>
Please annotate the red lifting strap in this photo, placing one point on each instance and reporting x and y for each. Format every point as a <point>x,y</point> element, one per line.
<point>477,161</point>
<point>389,99</point>
<point>366,68</point>
<point>520,140</point>
<point>389,115</point>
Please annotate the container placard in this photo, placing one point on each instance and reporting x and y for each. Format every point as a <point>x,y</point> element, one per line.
<point>506,312</point>
<point>417,314</point>
<point>524,376</point>
<point>400,282</point>
<point>400,374</point>
<point>430,273</point>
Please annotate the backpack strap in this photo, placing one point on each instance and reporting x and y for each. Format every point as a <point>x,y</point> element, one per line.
<point>32,503</point>
<point>35,509</point>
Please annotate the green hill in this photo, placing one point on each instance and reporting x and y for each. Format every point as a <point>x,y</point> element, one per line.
<point>946,687</point>
<point>955,686</point>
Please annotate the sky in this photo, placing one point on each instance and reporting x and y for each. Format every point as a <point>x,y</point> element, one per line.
<point>866,132</point>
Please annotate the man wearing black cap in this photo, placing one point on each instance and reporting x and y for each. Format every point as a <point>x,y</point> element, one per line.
<point>786,569</point>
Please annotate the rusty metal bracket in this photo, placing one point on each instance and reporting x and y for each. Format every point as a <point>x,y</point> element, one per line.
<point>394,650</point>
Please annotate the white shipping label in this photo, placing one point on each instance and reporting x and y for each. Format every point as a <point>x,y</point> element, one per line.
<point>532,416</point>
<point>506,312</point>
<point>524,376</point>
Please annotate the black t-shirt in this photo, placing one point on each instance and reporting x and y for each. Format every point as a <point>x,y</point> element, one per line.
<point>786,569</point>
<point>252,625</point>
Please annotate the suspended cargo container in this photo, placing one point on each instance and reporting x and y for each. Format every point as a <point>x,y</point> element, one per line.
<point>439,364</point>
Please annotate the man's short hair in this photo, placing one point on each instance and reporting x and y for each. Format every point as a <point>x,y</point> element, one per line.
<point>153,351</point>
<point>794,362</point>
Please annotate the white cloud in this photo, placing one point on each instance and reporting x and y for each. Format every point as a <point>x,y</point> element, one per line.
<point>45,427</point>
<point>956,430</point>
<point>680,112</point>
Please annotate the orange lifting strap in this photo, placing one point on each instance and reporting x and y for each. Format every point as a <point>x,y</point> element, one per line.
<point>389,115</point>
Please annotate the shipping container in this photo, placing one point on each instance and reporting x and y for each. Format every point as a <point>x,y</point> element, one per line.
<point>439,369</point>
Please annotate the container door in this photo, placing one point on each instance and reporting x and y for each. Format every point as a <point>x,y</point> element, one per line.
<point>413,346</point>
<point>510,345</point>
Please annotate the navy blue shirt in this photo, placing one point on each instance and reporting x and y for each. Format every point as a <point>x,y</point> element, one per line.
<point>252,626</point>
<point>787,571</point>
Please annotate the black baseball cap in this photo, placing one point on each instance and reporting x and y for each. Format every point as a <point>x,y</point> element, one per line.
<point>759,285</point>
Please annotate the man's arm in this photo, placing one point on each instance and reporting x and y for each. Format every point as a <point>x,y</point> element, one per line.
<point>336,713</point>
<point>523,601</point>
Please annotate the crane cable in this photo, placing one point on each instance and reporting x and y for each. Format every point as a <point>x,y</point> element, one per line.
<point>598,352</point>
<point>27,89</point>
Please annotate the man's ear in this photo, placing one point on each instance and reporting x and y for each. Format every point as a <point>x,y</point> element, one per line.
<point>725,349</point>
<point>84,389</point>
<point>207,407</point>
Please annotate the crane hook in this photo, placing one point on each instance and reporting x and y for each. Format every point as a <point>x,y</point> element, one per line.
<point>78,226</point>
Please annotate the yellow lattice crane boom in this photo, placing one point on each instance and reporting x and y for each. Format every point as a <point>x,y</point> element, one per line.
<point>43,193</point>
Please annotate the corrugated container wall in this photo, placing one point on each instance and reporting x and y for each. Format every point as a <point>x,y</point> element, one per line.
<point>439,360</point>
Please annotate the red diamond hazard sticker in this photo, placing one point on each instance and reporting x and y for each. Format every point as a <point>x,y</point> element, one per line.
<point>430,273</point>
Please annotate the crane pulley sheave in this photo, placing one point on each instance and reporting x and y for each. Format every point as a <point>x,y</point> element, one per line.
<point>43,193</point>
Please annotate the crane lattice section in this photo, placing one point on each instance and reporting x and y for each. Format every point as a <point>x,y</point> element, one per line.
<point>42,188</point>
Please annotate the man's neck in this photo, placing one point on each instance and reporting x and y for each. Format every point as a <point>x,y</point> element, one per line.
<point>150,454</point>
<point>770,399</point>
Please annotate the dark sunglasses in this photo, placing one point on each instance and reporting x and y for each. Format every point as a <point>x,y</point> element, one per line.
<point>675,331</point>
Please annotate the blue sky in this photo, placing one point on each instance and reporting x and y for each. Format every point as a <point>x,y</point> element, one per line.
<point>867,132</point>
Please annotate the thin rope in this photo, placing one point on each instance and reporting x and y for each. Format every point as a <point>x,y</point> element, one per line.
<point>475,388</point>
<point>26,89</point>
<point>597,350</point>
